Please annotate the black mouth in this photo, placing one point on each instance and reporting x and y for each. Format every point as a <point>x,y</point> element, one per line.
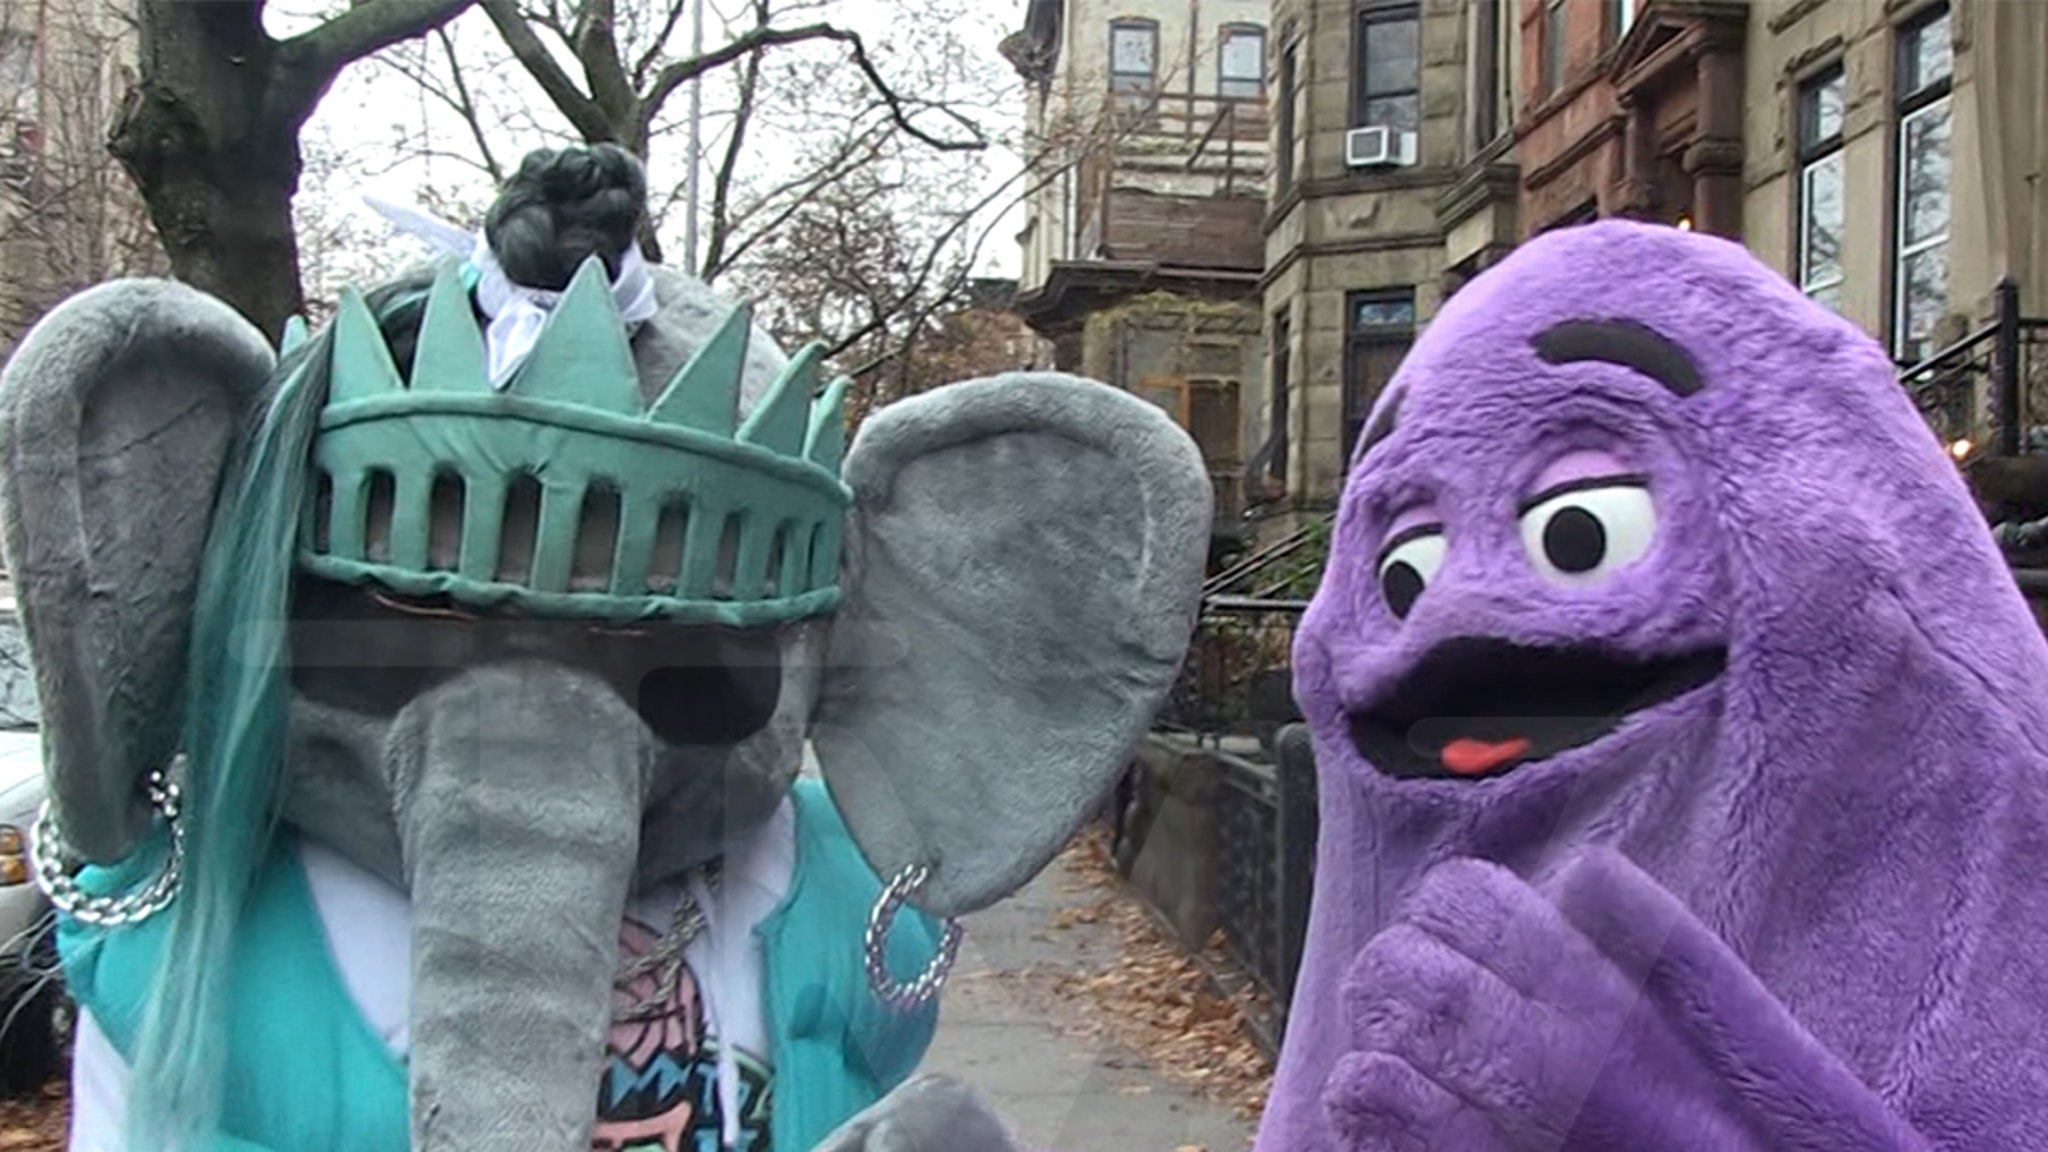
<point>1474,708</point>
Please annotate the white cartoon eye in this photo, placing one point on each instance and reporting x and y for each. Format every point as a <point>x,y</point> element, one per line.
<point>1577,533</point>
<point>1410,562</point>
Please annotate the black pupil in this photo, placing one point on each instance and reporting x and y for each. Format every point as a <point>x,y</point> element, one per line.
<point>1400,584</point>
<point>1575,540</point>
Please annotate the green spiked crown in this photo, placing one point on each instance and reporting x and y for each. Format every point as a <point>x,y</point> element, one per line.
<point>564,493</point>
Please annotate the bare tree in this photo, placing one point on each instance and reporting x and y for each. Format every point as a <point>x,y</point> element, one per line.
<point>340,242</point>
<point>210,132</point>
<point>609,70</point>
<point>847,192</point>
<point>69,217</point>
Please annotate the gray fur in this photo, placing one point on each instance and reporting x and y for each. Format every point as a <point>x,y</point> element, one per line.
<point>1023,565</point>
<point>691,311</point>
<point>119,410</point>
<point>1021,571</point>
<point>519,789</point>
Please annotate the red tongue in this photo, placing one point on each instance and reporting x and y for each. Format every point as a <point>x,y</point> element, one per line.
<point>1476,757</point>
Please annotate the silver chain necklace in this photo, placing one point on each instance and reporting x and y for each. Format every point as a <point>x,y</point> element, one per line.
<point>664,960</point>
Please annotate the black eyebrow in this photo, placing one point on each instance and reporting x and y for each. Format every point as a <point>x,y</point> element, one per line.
<point>1583,484</point>
<point>1622,342</point>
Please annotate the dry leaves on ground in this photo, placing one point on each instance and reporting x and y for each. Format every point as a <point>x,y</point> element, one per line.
<point>39,1123</point>
<point>1158,1001</point>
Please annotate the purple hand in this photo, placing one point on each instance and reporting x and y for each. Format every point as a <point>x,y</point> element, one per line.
<point>1602,1018</point>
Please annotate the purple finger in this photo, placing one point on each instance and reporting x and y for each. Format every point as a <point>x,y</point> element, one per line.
<point>1523,1063</point>
<point>1379,1103</point>
<point>1806,1095</point>
<point>1489,914</point>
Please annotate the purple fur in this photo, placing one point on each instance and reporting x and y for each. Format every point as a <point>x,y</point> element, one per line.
<point>1830,935</point>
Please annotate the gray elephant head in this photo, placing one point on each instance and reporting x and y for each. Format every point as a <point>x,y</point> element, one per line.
<point>526,650</point>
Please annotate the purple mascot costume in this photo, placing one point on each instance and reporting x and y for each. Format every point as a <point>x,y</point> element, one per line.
<point>1682,742</point>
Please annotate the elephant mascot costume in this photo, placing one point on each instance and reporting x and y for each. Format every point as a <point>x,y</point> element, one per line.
<point>426,706</point>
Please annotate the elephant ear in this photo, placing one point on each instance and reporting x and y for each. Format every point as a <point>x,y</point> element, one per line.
<point>1022,569</point>
<point>117,415</point>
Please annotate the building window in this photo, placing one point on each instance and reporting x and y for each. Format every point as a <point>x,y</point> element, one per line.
<point>1241,62</point>
<point>1283,353</point>
<point>1386,77</point>
<point>1289,80</point>
<point>1624,17</point>
<point>1134,56</point>
<point>1822,102</point>
<point>1378,328</point>
<point>1553,47</point>
<point>1920,285</point>
<point>1488,71</point>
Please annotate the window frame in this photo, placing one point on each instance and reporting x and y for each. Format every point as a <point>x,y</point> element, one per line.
<point>1364,15</point>
<point>1909,106</point>
<point>1487,71</point>
<point>1285,122</point>
<point>1358,340</point>
<point>1622,17</point>
<point>1143,24</point>
<point>1812,150</point>
<point>1550,50</point>
<point>1224,35</point>
<point>1279,376</point>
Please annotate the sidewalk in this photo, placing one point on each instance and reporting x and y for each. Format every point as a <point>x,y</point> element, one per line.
<point>1005,1030</point>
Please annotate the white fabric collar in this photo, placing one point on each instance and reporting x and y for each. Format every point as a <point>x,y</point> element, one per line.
<point>516,311</point>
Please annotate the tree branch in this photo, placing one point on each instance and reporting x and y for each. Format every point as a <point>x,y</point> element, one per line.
<point>721,185</point>
<point>583,112</point>
<point>924,274</point>
<point>365,27</point>
<point>857,152</point>
<point>466,106</point>
<point>682,71</point>
<point>597,48</point>
<point>668,28</point>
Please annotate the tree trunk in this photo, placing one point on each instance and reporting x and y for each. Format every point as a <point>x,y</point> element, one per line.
<point>226,224</point>
<point>210,134</point>
<point>215,156</point>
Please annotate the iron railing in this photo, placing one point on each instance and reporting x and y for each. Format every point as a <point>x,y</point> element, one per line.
<point>1265,867</point>
<point>1235,695</point>
<point>2001,365</point>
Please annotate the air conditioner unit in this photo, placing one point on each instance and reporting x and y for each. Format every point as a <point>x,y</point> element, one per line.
<point>1379,147</point>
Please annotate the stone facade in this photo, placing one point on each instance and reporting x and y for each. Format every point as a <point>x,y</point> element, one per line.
<point>1632,109</point>
<point>1358,257</point>
<point>1141,252</point>
<point>1829,212</point>
<point>1195,143</point>
<point>1806,129</point>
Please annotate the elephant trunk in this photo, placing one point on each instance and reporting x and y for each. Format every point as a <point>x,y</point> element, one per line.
<point>519,789</point>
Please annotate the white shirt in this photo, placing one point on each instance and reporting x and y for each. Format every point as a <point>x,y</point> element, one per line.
<point>369,934</point>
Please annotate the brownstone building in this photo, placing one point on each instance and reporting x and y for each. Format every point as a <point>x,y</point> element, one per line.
<point>1394,182</point>
<point>1632,109</point>
<point>1147,132</point>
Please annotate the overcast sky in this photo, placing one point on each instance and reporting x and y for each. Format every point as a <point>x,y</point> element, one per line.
<point>370,106</point>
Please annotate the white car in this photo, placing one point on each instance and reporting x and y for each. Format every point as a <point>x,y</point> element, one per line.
<point>31,995</point>
<point>21,797</point>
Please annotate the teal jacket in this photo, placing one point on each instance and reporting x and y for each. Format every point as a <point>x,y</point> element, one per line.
<point>835,1048</point>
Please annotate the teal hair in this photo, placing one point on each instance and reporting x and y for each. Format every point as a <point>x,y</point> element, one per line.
<point>236,712</point>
